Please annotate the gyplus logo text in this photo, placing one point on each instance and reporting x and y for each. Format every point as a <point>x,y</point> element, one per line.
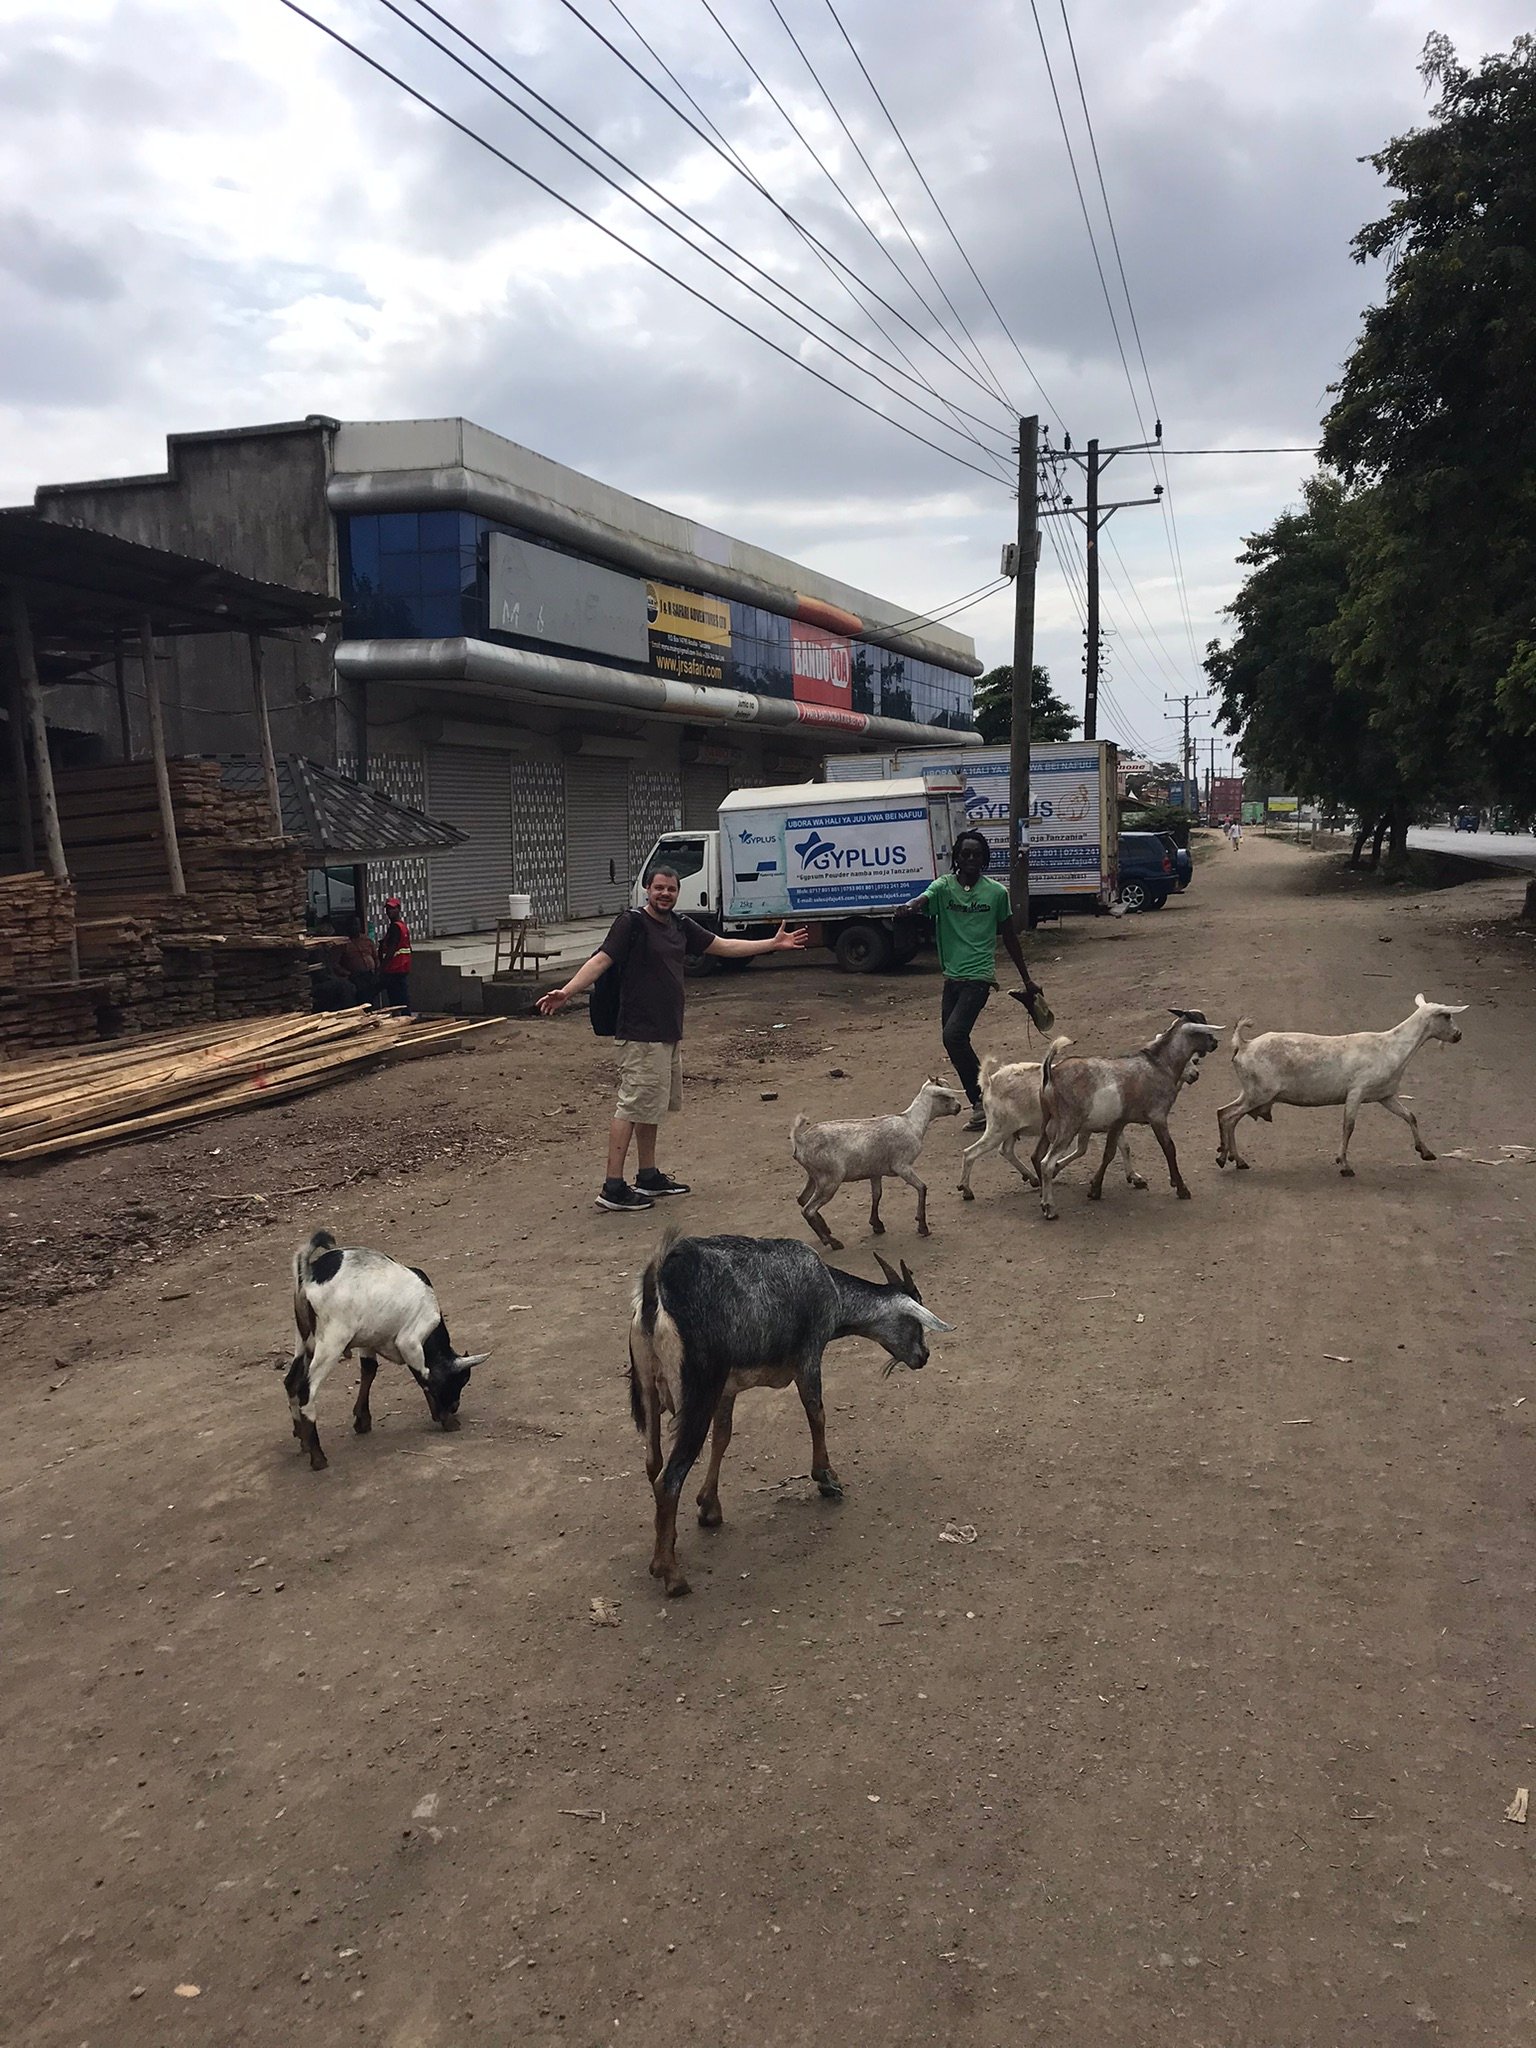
<point>757,838</point>
<point>825,857</point>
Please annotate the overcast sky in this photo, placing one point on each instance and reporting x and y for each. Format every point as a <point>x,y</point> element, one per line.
<point>211,216</point>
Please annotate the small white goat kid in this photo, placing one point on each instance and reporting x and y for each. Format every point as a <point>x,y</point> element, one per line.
<point>867,1149</point>
<point>1315,1072</point>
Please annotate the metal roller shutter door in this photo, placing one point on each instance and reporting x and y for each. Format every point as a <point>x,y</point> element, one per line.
<point>597,874</point>
<point>471,787</point>
<point>704,790</point>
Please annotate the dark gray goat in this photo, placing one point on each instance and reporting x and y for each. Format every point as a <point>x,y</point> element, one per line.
<point>716,1315</point>
<point>1081,1098</point>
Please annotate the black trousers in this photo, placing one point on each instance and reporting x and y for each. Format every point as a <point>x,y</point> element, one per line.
<point>963,1003</point>
<point>397,991</point>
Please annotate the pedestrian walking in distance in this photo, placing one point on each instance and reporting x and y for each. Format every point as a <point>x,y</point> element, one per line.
<point>648,948</point>
<point>969,911</point>
<point>395,956</point>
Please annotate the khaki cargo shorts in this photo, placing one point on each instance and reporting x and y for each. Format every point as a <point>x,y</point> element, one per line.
<point>650,1080</point>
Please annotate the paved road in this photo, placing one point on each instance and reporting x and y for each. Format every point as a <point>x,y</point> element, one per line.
<point>1506,849</point>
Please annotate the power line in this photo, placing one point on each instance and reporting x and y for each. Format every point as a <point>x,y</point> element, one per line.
<point>1311,449</point>
<point>734,160</point>
<point>735,163</point>
<point>977,351</point>
<point>614,185</point>
<point>943,216</point>
<point>613,235</point>
<point>816,158</point>
<point>964,603</point>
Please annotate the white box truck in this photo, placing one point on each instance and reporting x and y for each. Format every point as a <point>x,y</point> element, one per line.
<point>1074,812</point>
<point>840,857</point>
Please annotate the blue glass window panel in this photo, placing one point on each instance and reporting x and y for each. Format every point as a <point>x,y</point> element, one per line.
<point>363,549</point>
<point>398,533</point>
<point>440,570</point>
<point>400,575</point>
<point>438,530</point>
<point>438,615</point>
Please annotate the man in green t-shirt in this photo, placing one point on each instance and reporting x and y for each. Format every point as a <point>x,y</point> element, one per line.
<point>969,911</point>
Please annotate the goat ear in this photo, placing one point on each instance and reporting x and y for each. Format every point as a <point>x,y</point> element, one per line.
<point>890,1272</point>
<point>930,1321</point>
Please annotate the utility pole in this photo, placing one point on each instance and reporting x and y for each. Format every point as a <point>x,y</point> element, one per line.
<point>1026,560</point>
<point>1187,756</point>
<point>1094,461</point>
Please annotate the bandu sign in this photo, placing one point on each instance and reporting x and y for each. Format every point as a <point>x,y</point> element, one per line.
<point>821,664</point>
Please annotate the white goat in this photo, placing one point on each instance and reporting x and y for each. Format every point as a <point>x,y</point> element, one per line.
<point>354,1300</point>
<point>1315,1072</point>
<point>867,1149</point>
<point>1011,1097</point>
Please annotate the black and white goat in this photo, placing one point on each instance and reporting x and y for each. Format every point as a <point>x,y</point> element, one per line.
<point>354,1300</point>
<point>715,1315</point>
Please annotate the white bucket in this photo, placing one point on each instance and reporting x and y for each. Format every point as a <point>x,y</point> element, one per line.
<point>520,906</point>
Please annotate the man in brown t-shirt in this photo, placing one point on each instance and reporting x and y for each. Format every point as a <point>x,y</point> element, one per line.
<point>650,947</point>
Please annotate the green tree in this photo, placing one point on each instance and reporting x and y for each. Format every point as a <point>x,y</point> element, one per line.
<point>1434,419</point>
<point>1305,723</point>
<point>1049,717</point>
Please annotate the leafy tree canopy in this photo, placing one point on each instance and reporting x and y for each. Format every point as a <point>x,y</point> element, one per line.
<point>1049,717</point>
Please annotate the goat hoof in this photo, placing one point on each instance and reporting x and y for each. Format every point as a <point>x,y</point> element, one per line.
<point>710,1516</point>
<point>966,1195</point>
<point>877,1230</point>
<point>676,1587</point>
<point>318,1461</point>
<point>1426,1155</point>
<point>923,1230</point>
<point>828,1485</point>
<point>1183,1194</point>
<point>1049,1215</point>
<point>362,1423</point>
<point>1138,1184</point>
<point>1095,1194</point>
<point>1241,1165</point>
<point>834,1244</point>
<point>1346,1173</point>
<point>449,1421</point>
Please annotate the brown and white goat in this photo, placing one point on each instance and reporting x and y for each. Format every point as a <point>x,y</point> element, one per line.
<point>1316,1072</point>
<point>867,1148</point>
<point>1010,1095</point>
<point>1080,1098</point>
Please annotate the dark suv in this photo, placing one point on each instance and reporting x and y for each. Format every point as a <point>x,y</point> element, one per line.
<point>1148,876</point>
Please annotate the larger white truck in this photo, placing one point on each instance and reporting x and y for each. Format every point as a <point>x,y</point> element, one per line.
<point>840,857</point>
<point>1074,814</point>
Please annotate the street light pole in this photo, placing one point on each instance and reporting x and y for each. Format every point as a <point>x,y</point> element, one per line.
<point>1023,667</point>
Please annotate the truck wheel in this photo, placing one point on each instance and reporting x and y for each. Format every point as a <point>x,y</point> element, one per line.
<point>1134,895</point>
<point>863,949</point>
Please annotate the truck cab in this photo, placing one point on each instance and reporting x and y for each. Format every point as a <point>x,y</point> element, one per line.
<point>696,857</point>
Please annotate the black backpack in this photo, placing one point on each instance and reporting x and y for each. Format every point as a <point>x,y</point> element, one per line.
<point>604,995</point>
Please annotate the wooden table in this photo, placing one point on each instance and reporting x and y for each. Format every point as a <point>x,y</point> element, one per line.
<point>516,950</point>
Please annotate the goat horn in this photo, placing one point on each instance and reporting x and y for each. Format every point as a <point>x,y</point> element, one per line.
<point>889,1271</point>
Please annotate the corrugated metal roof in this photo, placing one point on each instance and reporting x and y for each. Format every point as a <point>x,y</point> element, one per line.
<point>336,820</point>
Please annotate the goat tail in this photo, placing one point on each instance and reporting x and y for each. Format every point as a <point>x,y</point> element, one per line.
<point>648,1293</point>
<point>304,1259</point>
<point>1242,1032</point>
<point>796,1130</point>
<point>1057,1046</point>
<point>989,1067</point>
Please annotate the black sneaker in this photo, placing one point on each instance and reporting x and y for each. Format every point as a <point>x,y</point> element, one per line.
<point>618,1194</point>
<point>650,1180</point>
<point>978,1119</point>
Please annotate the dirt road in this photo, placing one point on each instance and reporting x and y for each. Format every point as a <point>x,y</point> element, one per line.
<point>1205,1739</point>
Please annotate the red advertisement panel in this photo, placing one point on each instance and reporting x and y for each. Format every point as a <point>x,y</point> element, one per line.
<point>822,666</point>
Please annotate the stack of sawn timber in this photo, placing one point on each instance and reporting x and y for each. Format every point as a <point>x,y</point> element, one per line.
<point>231,947</point>
<point>41,1004</point>
<point>114,1093</point>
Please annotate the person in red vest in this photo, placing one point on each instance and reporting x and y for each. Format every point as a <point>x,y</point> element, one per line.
<point>395,956</point>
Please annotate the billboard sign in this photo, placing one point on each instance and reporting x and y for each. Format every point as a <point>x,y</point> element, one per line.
<point>539,595</point>
<point>1284,806</point>
<point>821,664</point>
<point>690,634</point>
<point>1065,819</point>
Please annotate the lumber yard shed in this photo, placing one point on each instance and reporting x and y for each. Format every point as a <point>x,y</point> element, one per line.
<point>554,665</point>
<point>151,891</point>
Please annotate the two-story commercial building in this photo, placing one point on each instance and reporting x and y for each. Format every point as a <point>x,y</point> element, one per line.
<point>558,669</point>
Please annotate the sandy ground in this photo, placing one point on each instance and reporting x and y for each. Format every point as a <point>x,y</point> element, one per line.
<point>1206,1738</point>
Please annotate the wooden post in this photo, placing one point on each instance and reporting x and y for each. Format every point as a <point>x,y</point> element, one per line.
<point>120,679</point>
<point>157,751</point>
<point>21,784</point>
<point>37,729</point>
<point>264,731</point>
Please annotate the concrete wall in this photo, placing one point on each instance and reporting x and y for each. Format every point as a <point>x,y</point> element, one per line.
<point>253,501</point>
